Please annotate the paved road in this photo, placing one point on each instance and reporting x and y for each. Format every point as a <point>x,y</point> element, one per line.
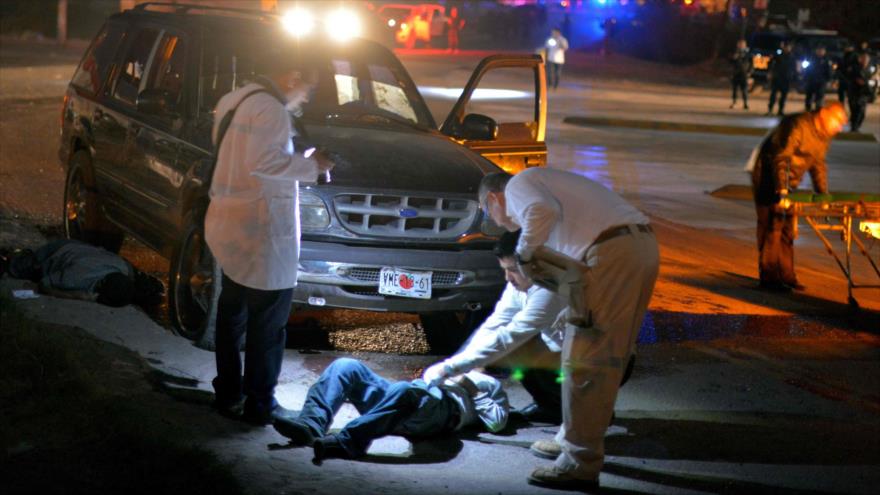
<point>735,391</point>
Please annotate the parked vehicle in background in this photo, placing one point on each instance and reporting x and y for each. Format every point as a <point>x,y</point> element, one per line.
<point>763,46</point>
<point>396,228</point>
<point>416,23</point>
<point>805,43</point>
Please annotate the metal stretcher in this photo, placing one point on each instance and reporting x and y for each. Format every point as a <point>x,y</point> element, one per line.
<point>837,212</point>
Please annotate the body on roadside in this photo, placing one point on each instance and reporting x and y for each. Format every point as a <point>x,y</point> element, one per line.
<point>406,408</point>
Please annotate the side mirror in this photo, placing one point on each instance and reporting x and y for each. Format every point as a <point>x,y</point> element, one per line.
<point>156,102</point>
<point>478,127</point>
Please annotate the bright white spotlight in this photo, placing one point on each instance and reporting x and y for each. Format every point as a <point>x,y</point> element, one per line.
<point>391,23</point>
<point>298,22</point>
<point>343,25</point>
<point>805,64</point>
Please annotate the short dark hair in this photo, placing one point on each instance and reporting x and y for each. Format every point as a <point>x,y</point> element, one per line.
<point>494,182</point>
<point>289,56</point>
<point>506,245</point>
<point>115,289</point>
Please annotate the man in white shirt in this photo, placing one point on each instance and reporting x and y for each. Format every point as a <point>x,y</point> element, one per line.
<point>406,408</point>
<point>555,48</point>
<point>252,229</point>
<point>516,335</point>
<point>582,219</point>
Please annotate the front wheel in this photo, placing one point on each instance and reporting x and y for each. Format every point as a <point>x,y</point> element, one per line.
<point>191,281</point>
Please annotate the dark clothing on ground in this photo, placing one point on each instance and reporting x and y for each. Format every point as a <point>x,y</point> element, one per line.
<point>796,146</point>
<point>742,70</point>
<point>783,70</point>
<point>816,77</point>
<point>410,409</point>
<point>69,265</point>
<point>859,95</point>
<point>259,317</point>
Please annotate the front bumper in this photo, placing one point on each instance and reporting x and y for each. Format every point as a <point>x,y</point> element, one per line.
<point>342,276</point>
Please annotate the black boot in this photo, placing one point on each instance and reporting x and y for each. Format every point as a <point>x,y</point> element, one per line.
<point>329,448</point>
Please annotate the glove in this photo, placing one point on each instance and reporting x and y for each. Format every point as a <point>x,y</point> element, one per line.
<point>436,373</point>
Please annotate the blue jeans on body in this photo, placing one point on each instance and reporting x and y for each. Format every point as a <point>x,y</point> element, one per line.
<point>410,409</point>
<point>260,317</point>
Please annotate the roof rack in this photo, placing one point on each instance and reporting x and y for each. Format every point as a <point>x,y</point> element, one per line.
<point>186,8</point>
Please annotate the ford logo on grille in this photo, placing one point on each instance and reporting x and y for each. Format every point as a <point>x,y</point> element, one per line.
<point>408,213</point>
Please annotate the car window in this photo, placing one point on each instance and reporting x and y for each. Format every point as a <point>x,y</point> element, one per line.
<point>228,63</point>
<point>130,80</point>
<point>94,66</point>
<point>168,67</point>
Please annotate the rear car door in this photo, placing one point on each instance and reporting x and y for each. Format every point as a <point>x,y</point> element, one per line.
<point>502,112</point>
<point>154,143</point>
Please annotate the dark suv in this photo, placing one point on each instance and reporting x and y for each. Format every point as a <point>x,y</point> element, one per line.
<point>135,141</point>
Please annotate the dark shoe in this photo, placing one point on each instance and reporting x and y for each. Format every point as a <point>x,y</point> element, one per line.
<point>554,478</point>
<point>300,434</point>
<point>329,448</point>
<point>774,286</point>
<point>795,285</point>
<point>732,105</point>
<point>533,413</point>
<point>745,107</point>
<point>231,410</point>
<point>258,417</point>
<point>780,114</point>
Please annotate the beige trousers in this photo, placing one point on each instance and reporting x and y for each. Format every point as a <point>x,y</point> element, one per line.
<point>622,274</point>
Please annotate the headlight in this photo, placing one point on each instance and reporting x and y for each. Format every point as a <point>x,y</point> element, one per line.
<point>313,213</point>
<point>298,22</point>
<point>805,64</point>
<point>490,228</point>
<point>343,25</point>
<point>392,23</point>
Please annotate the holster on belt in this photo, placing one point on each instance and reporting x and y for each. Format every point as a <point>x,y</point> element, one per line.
<point>565,276</point>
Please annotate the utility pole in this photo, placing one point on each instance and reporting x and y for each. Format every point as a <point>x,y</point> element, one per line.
<point>61,37</point>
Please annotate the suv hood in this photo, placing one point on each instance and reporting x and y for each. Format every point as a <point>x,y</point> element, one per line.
<point>369,158</point>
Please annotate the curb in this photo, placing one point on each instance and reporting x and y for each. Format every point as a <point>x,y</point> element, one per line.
<point>691,127</point>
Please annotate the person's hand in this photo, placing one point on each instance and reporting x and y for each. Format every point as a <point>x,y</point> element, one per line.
<point>325,164</point>
<point>436,373</point>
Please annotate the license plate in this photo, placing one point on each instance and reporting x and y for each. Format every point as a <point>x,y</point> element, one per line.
<point>405,283</point>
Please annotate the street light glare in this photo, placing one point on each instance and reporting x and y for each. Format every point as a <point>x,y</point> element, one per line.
<point>343,25</point>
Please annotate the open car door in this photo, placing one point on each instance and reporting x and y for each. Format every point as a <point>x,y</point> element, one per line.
<point>502,112</point>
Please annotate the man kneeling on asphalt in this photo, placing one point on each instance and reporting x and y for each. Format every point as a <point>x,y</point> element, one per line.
<point>516,335</point>
<point>410,409</point>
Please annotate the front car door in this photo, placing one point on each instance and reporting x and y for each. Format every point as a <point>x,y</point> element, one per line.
<point>510,89</point>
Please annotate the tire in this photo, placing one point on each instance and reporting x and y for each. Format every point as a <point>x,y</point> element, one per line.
<point>82,217</point>
<point>447,331</point>
<point>191,280</point>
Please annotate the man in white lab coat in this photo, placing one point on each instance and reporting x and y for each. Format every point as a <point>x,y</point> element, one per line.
<point>582,219</point>
<point>517,335</point>
<point>252,228</point>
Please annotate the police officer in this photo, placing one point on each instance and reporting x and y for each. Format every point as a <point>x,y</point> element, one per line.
<point>783,70</point>
<point>742,70</point>
<point>859,92</point>
<point>842,73</point>
<point>817,73</point>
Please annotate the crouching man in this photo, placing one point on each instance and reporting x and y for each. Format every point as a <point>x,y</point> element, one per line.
<point>516,335</point>
<point>406,408</point>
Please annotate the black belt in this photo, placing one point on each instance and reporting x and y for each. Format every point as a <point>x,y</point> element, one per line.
<point>619,230</point>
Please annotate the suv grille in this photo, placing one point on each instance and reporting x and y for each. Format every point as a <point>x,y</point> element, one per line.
<point>368,274</point>
<point>405,216</point>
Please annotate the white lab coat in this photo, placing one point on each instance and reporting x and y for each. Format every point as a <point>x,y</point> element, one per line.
<point>252,225</point>
<point>564,211</point>
<point>556,46</point>
<point>518,316</point>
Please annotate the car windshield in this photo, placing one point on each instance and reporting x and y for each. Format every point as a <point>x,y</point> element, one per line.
<point>364,84</point>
